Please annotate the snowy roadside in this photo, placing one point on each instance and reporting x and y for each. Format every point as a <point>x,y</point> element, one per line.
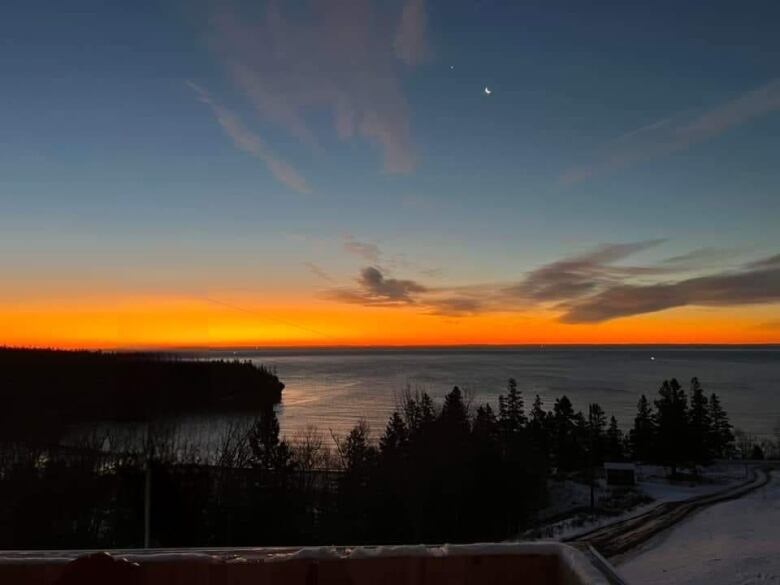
<point>734,542</point>
<point>653,488</point>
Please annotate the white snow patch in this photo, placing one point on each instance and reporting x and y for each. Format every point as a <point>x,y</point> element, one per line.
<point>651,480</point>
<point>732,543</point>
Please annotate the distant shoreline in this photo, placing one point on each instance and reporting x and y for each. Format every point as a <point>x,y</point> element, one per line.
<point>462,349</point>
<point>453,348</point>
<point>178,350</point>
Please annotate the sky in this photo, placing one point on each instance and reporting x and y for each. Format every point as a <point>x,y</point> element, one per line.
<point>388,172</point>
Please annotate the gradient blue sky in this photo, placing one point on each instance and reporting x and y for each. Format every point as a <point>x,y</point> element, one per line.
<point>189,148</point>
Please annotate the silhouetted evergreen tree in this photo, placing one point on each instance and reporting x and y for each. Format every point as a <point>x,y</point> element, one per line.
<point>538,432</point>
<point>672,417</point>
<point>396,437</point>
<point>274,500</point>
<point>357,454</point>
<point>355,499</point>
<point>643,435</point>
<point>393,488</point>
<point>597,422</point>
<point>699,425</point>
<point>419,412</point>
<point>511,414</point>
<point>268,452</point>
<point>453,467</point>
<point>614,441</point>
<point>454,414</point>
<point>538,415</point>
<point>485,427</point>
<point>520,486</point>
<point>566,432</point>
<point>486,517</point>
<point>721,443</point>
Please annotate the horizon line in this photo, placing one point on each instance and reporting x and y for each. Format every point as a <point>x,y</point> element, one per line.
<point>384,347</point>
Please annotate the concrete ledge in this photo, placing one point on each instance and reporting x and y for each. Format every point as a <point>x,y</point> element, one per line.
<point>473,564</point>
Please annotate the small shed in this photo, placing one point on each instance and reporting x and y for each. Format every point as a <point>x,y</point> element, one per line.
<point>620,473</point>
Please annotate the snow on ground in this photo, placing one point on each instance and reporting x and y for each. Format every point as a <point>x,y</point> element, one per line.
<point>652,482</point>
<point>733,543</point>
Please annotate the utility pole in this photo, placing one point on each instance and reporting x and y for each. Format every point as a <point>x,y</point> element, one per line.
<point>591,474</point>
<point>147,504</point>
<point>148,490</point>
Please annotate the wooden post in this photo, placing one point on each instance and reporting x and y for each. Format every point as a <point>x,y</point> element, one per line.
<point>147,504</point>
<point>148,488</point>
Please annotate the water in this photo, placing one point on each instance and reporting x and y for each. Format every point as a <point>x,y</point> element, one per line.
<point>333,389</point>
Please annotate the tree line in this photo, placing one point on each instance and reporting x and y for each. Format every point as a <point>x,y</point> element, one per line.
<point>44,391</point>
<point>681,429</point>
<point>438,472</point>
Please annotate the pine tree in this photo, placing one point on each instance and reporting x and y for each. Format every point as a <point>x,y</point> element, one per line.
<point>597,421</point>
<point>356,451</point>
<point>563,409</point>
<point>566,430</point>
<point>396,435</point>
<point>537,425</point>
<point>642,436</point>
<point>510,409</point>
<point>268,452</point>
<point>614,441</point>
<point>454,414</point>
<point>721,443</point>
<point>485,427</point>
<point>699,425</point>
<point>538,414</point>
<point>538,434</point>
<point>673,437</point>
<point>354,497</point>
<point>427,410</point>
<point>419,412</point>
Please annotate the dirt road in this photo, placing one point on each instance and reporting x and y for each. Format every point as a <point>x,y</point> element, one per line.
<point>618,538</point>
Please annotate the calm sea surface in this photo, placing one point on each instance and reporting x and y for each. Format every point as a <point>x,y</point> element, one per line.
<point>333,389</point>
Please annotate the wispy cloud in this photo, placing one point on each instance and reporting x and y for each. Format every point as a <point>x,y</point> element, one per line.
<point>251,143</point>
<point>457,306</point>
<point>699,258</point>
<point>590,287</point>
<point>410,42</point>
<point>582,274</point>
<point>319,272</point>
<point>365,250</point>
<point>678,133</point>
<point>374,288</point>
<point>755,283</point>
<point>342,57</point>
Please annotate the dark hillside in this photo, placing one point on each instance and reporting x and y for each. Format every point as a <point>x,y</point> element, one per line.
<point>39,388</point>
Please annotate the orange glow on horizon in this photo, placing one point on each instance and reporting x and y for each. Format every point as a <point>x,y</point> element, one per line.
<point>178,323</point>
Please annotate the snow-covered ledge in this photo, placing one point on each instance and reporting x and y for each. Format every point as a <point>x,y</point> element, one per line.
<point>498,563</point>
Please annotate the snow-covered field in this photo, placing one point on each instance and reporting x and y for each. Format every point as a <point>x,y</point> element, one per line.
<point>733,543</point>
<point>652,482</point>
